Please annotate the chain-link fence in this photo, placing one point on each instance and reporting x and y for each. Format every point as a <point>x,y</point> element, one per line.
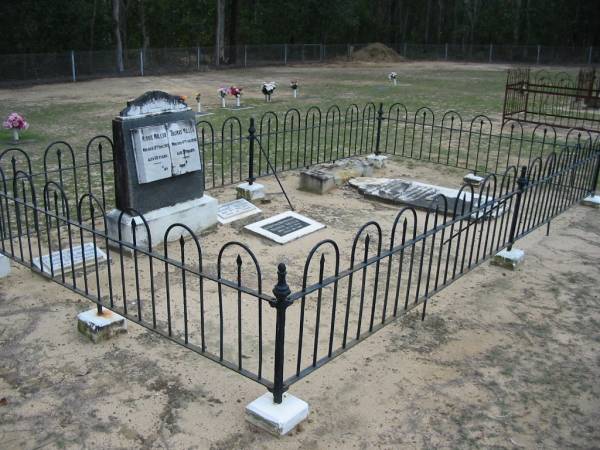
<point>76,65</point>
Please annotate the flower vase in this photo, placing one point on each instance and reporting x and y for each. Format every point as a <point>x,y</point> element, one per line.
<point>222,102</point>
<point>237,101</point>
<point>269,98</point>
<point>295,93</point>
<point>395,82</point>
<point>15,133</point>
<point>199,107</point>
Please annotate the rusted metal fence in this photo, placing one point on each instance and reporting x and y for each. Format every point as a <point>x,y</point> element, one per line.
<point>558,99</point>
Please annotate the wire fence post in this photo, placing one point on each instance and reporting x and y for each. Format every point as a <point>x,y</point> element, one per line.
<point>348,51</point>
<point>198,58</point>
<point>539,50</point>
<point>245,55</point>
<point>142,62</point>
<point>282,292</point>
<point>522,184</point>
<point>491,52</point>
<point>285,54</point>
<point>73,72</point>
<point>446,52</point>
<point>251,139</point>
<point>590,52</point>
<point>379,121</point>
<point>405,51</point>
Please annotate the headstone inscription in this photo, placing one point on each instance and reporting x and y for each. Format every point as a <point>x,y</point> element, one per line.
<point>157,159</point>
<point>158,170</point>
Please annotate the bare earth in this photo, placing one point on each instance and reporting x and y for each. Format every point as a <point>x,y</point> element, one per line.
<point>503,359</point>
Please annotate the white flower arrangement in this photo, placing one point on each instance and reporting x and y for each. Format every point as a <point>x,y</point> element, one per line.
<point>392,76</point>
<point>268,89</point>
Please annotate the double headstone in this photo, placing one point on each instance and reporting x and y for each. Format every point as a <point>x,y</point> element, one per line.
<point>158,170</point>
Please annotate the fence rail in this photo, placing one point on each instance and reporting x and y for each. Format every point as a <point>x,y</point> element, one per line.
<point>218,307</point>
<point>80,64</point>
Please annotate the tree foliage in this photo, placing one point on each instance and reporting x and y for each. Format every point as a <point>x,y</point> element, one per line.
<point>61,25</point>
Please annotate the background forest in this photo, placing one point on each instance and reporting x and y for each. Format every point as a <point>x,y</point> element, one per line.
<point>61,25</point>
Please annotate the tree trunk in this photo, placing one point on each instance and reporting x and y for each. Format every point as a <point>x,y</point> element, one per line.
<point>440,20</point>
<point>145,37</point>
<point>427,12</point>
<point>116,13</point>
<point>516,21</point>
<point>233,29</point>
<point>220,32</point>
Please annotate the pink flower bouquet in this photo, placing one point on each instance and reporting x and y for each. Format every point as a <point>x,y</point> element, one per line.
<point>15,121</point>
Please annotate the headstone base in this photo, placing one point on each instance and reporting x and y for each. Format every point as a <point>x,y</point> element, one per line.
<point>472,179</point>
<point>4,266</point>
<point>509,259</point>
<point>100,327</point>
<point>316,181</point>
<point>592,200</point>
<point>277,419</point>
<point>378,161</point>
<point>250,192</point>
<point>198,214</point>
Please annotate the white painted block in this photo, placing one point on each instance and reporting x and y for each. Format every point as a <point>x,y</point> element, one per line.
<point>509,259</point>
<point>236,210</point>
<point>592,200</point>
<point>285,227</point>
<point>198,214</point>
<point>100,327</point>
<point>278,419</point>
<point>4,266</point>
<point>250,192</point>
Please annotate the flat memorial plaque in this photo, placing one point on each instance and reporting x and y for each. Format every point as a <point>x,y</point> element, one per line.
<point>152,153</point>
<point>285,227</point>
<point>61,260</point>
<point>235,210</point>
<point>183,142</point>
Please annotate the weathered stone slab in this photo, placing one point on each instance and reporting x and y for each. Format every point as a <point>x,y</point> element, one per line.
<point>277,419</point>
<point>472,179</point>
<point>413,193</point>
<point>325,177</point>
<point>592,200</point>
<point>100,327</point>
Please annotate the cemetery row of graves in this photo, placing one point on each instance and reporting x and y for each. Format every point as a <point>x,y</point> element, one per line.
<point>87,219</point>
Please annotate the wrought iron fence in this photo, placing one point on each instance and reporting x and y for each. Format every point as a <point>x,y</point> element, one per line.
<point>81,64</point>
<point>217,307</point>
<point>556,99</point>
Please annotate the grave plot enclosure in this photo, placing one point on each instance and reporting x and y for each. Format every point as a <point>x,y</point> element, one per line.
<point>234,310</point>
<point>557,99</point>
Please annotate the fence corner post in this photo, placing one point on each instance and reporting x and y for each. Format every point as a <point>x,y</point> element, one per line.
<point>251,139</point>
<point>491,53</point>
<point>73,71</point>
<point>446,52</point>
<point>539,50</point>
<point>379,121</point>
<point>590,53</point>
<point>282,293</point>
<point>141,62</point>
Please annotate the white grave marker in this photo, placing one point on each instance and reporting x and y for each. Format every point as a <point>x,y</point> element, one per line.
<point>285,227</point>
<point>235,210</point>
<point>62,258</point>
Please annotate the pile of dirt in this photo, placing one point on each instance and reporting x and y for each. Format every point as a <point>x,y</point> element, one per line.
<point>376,52</point>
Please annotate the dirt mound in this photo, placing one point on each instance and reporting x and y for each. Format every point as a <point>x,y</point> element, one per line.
<point>376,52</point>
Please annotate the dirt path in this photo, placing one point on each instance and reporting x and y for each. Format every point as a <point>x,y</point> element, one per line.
<point>503,360</point>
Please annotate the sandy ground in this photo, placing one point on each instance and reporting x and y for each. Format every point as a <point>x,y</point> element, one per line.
<point>503,360</point>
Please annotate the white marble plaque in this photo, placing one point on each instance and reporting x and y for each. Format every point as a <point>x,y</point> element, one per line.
<point>164,151</point>
<point>60,260</point>
<point>235,210</point>
<point>152,153</point>
<point>183,142</point>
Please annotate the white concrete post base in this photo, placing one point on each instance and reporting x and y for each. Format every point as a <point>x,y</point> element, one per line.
<point>4,266</point>
<point>509,259</point>
<point>100,327</point>
<point>592,200</point>
<point>378,161</point>
<point>472,179</point>
<point>250,192</point>
<point>277,419</point>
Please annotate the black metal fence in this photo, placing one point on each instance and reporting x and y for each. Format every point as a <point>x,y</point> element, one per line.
<point>76,65</point>
<point>557,99</point>
<point>221,307</point>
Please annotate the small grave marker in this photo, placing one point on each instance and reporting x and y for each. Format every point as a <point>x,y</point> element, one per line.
<point>285,227</point>
<point>236,210</point>
<point>61,259</point>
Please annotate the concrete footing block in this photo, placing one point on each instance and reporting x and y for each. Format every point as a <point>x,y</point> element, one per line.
<point>509,259</point>
<point>472,179</point>
<point>316,181</point>
<point>4,266</point>
<point>101,327</point>
<point>250,192</point>
<point>592,200</point>
<point>277,419</point>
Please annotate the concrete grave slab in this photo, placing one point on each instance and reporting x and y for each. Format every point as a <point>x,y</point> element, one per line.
<point>325,177</point>
<point>66,260</point>
<point>285,227</point>
<point>236,210</point>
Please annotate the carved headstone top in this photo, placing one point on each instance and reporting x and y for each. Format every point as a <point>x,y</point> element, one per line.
<point>153,102</point>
